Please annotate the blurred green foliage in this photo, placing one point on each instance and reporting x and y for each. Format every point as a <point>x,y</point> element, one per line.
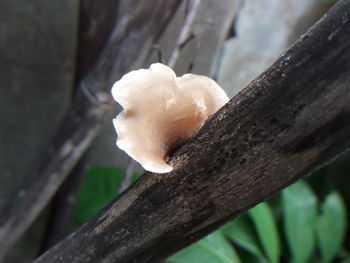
<point>299,206</point>
<point>100,186</point>
<point>313,230</point>
<point>300,225</point>
<point>213,248</point>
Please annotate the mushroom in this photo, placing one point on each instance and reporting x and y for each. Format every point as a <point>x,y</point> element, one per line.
<point>162,111</point>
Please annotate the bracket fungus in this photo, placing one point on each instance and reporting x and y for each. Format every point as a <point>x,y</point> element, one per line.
<point>162,111</point>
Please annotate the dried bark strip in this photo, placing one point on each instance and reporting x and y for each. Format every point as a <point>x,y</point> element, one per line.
<point>129,44</point>
<point>96,21</point>
<point>292,119</point>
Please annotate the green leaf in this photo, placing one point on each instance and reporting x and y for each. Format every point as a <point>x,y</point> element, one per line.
<point>99,187</point>
<point>241,232</point>
<point>214,248</point>
<point>267,231</point>
<point>331,226</point>
<point>299,210</point>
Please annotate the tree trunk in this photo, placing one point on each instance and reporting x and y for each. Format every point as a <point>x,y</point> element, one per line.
<point>291,120</point>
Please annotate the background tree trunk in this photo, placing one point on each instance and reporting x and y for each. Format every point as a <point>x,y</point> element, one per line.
<point>291,120</point>
<point>129,45</point>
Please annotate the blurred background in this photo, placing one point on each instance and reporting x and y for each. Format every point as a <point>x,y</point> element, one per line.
<point>47,47</point>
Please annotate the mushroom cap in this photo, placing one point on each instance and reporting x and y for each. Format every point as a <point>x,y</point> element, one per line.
<point>162,111</point>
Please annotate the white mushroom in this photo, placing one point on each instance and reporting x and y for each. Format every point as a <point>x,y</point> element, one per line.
<point>162,111</point>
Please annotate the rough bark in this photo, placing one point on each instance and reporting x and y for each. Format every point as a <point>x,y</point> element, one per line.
<point>129,45</point>
<point>294,118</point>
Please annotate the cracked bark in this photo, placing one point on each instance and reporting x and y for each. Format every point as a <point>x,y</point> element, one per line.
<point>291,120</point>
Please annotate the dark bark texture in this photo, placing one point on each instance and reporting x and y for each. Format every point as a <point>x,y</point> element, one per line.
<point>129,45</point>
<point>291,120</point>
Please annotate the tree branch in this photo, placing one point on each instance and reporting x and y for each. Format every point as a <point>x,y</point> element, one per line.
<point>128,46</point>
<point>291,120</point>
<point>128,175</point>
<point>185,32</point>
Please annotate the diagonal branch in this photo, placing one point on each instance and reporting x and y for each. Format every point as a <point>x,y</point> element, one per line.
<point>128,46</point>
<point>291,120</point>
<point>184,34</point>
